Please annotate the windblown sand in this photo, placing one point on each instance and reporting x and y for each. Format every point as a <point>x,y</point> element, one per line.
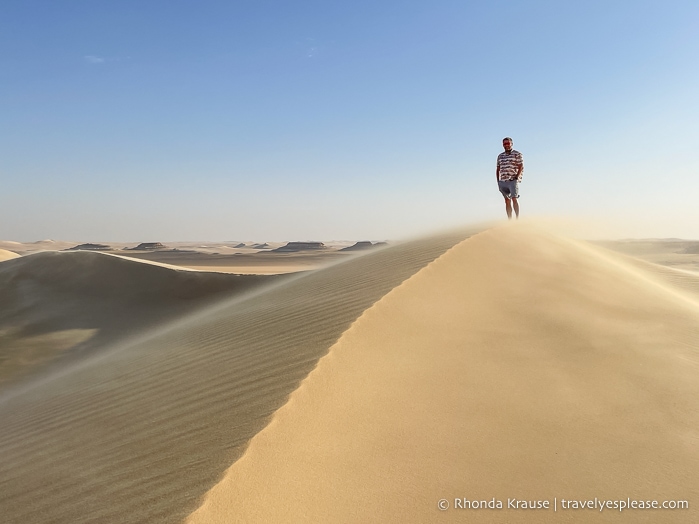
<point>481,364</point>
<point>59,306</point>
<point>138,427</point>
<point>517,365</point>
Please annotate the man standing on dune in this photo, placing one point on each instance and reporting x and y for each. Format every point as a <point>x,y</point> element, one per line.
<point>509,174</point>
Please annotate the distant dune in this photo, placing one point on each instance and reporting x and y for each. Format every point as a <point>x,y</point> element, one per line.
<point>65,304</point>
<point>233,257</point>
<point>140,427</point>
<point>7,255</point>
<point>358,246</point>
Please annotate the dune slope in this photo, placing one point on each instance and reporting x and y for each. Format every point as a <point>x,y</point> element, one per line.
<point>139,431</point>
<point>67,304</point>
<point>7,255</point>
<point>517,365</point>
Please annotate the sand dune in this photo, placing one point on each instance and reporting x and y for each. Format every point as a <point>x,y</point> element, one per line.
<point>67,304</point>
<point>7,255</point>
<point>138,430</point>
<point>25,248</point>
<point>262,262</point>
<point>517,365</point>
<point>250,259</point>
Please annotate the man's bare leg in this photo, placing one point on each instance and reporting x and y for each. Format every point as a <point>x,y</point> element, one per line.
<point>515,204</point>
<point>508,208</point>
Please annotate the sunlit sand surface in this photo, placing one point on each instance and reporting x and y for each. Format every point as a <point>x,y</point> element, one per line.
<point>489,363</point>
<point>518,365</point>
<point>7,255</point>
<point>178,370</point>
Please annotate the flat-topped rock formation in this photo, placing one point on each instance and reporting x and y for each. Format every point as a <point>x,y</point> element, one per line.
<point>300,246</point>
<point>261,246</point>
<point>149,246</point>
<point>90,247</point>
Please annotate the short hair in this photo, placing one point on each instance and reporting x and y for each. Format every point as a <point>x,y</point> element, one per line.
<point>508,138</point>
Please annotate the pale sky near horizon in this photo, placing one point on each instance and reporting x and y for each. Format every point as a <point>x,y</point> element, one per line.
<point>317,120</point>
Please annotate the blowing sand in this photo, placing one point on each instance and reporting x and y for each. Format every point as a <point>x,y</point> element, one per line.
<point>140,427</point>
<point>58,306</point>
<point>518,365</point>
<point>507,363</point>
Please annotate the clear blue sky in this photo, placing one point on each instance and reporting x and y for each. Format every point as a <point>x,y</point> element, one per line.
<point>299,120</point>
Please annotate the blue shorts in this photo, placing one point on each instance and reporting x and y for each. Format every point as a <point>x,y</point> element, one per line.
<point>509,188</point>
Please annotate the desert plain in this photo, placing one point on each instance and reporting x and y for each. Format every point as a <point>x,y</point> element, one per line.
<point>445,378</point>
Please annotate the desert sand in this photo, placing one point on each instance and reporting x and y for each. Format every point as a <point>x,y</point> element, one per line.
<point>492,363</point>
<point>671,252</point>
<point>139,427</point>
<point>7,255</point>
<point>242,258</point>
<point>55,301</point>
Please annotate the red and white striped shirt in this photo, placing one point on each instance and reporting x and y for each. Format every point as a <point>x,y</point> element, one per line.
<point>508,164</point>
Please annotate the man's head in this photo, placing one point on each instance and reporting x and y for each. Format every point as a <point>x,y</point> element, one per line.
<point>507,143</point>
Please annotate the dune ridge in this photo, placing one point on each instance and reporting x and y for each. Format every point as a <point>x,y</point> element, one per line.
<point>517,365</point>
<point>142,432</point>
<point>7,255</point>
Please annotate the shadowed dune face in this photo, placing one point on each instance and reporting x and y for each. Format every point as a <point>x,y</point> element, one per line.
<point>517,365</point>
<point>262,262</point>
<point>53,302</point>
<point>140,430</point>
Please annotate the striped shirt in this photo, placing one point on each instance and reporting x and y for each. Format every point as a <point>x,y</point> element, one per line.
<point>508,164</point>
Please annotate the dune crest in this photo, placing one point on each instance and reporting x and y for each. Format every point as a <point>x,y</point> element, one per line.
<point>141,428</point>
<point>517,365</point>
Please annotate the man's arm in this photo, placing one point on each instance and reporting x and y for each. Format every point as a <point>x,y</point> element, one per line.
<point>520,167</point>
<point>497,172</point>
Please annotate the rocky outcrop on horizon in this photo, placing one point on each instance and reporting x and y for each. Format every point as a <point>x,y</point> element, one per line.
<point>148,246</point>
<point>300,246</point>
<point>90,247</point>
